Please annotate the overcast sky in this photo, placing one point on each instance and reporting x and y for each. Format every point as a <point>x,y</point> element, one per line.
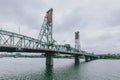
<point>97,20</point>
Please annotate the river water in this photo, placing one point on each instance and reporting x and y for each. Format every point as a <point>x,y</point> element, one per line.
<point>63,69</point>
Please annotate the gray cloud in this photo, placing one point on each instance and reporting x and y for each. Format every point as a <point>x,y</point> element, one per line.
<point>114,20</point>
<point>21,12</point>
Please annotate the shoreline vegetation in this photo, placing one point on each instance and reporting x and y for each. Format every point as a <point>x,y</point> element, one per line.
<point>32,56</point>
<point>18,55</point>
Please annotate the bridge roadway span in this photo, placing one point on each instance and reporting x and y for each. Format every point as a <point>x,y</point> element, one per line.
<point>13,42</point>
<point>30,50</point>
<point>49,53</point>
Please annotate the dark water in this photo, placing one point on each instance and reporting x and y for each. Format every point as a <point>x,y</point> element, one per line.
<point>63,69</point>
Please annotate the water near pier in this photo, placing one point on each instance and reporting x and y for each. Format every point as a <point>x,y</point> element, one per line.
<point>63,69</point>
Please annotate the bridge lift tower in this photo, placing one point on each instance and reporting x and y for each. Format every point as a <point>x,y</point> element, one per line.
<point>46,31</point>
<point>77,41</point>
<point>77,46</point>
<point>46,36</point>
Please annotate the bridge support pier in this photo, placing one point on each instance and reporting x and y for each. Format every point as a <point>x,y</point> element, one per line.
<point>76,59</point>
<point>49,59</point>
<point>91,58</point>
<point>86,59</point>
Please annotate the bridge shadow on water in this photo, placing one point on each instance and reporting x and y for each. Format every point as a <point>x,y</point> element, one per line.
<point>59,71</point>
<point>70,72</point>
<point>73,71</point>
<point>49,73</point>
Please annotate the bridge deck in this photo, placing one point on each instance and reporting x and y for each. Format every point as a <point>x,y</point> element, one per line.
<point>38,50</point>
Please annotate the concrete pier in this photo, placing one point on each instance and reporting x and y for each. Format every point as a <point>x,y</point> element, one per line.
<point>49,59</point>
<point>86,58</point>
<point>76,59</point>
<point>91,58</point>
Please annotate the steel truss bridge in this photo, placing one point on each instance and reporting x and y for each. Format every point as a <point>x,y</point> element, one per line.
<point>14,42</point>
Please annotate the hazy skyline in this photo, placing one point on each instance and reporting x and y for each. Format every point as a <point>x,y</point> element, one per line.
<point>97,20</point>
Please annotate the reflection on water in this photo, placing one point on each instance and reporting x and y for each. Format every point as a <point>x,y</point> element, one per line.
<point>63,69</point>
<point>49,73</point>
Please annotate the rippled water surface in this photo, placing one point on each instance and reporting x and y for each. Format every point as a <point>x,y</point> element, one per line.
<point>63,69</point>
